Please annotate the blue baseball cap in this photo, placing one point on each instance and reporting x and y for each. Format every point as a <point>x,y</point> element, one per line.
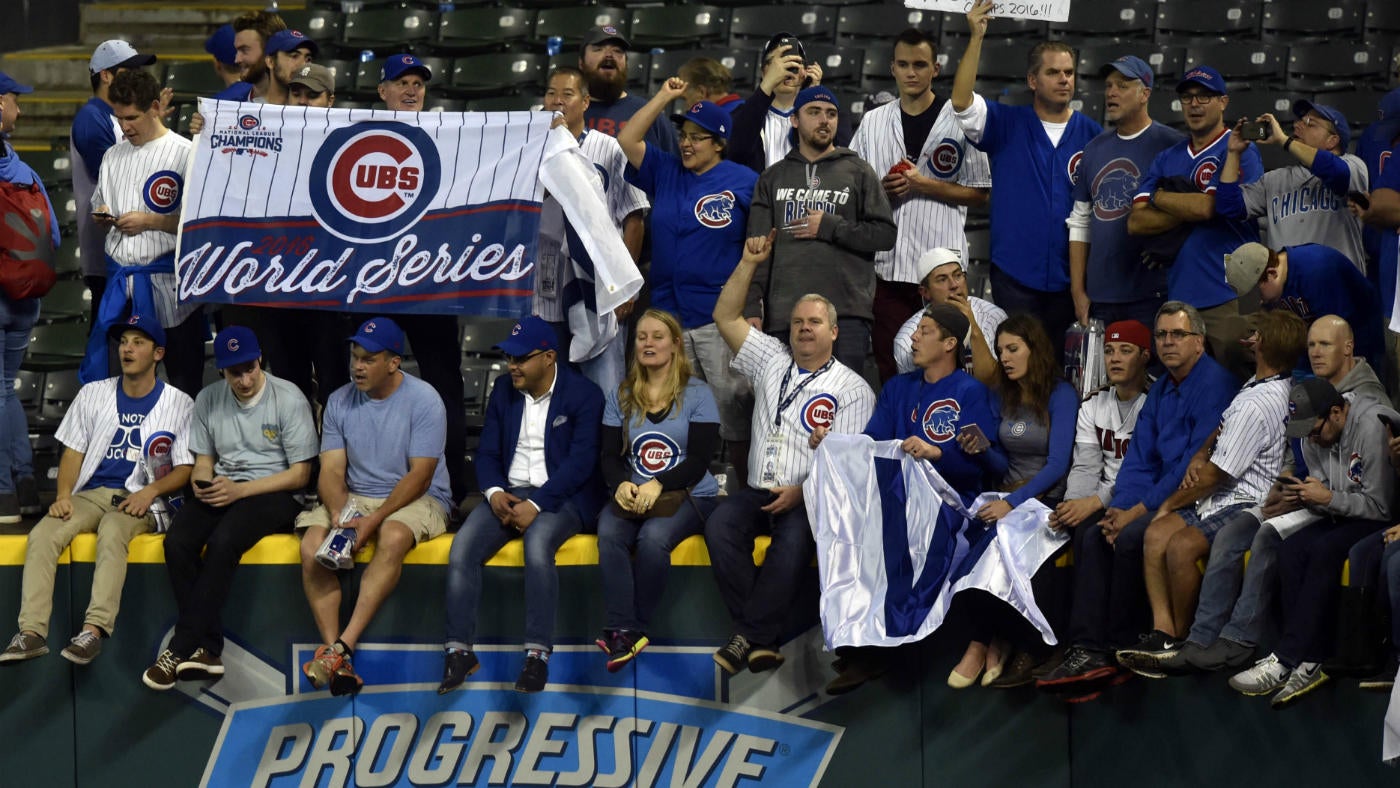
<point>147,325</point>
<point>529,335</point>
<point>220,45</point>
<point>1302,107</point>
<point>289,40</point>
<point>379,333</point>
<point>709,116</point>
<point>815,93</point>
<point>1206,77</point>
<point>1132,67</point>
<point>397,65</point>
<point>235,345</point>
<point>9,85</point>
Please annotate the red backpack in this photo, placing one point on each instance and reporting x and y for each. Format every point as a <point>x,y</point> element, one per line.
<point>26,245</point>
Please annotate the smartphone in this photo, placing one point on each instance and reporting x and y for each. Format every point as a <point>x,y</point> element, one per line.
<point>1256,131</point>
<point>102,215</point>
<point>1389,422</point>
<point>980,441</point>
<point>1289,480</point>
<point>118,500</point>
<point>1360,198</point>
<point>203,483</point>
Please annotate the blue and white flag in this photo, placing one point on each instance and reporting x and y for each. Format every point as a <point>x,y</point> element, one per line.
<point>895,542</point>
<point>376,211</point>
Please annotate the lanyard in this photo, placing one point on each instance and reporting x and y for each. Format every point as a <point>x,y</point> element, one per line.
<point>785,399</point>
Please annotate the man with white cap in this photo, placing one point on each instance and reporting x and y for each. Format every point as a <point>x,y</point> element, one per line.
<point>942,280</point>
<point>1305,202</point>
<point>94,131</point>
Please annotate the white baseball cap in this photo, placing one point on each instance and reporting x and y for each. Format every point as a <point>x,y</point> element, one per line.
<point>117,53</point>
<point>933,258</point>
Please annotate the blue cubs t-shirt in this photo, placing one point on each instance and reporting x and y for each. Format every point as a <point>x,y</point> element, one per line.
<point>657,447</point>
<point>122,453</point>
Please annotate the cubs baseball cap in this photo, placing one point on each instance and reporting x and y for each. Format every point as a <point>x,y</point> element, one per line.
<point>289,40</point>
<point>707,115</point>
<point>934,259</point>
<point>527,336</point>
<point>950,318</point>
<point>117,53</point>
<point>602,34</point>
<point>1245,265</point>
<point>1131,331</point>
<point>379,333</point>
<point>1302,107</point>
<point>220,45</point>
<point>815,93</point>
<point>235,345</point>
<point>1130,66</point>
<point>9,85</point>
<point>398,65</point>
<point>314,77</point>
<point>784,39</point>
<point>147,325</point>
<point>1309,401</point>
<point>1206,77</point>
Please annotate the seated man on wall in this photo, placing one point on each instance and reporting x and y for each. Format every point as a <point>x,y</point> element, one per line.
<point>123,449</point>
<point>382,475</point>
<point>253,439</point>
<point>538,466</point>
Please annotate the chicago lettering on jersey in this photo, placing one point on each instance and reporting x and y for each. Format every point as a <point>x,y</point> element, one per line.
<point>1308,197</point>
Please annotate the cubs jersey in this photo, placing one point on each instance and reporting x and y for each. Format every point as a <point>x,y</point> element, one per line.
<point>789,403</point>
<point>987,314</point>
<point>777,135</point>
<point>1307,206</point>
<point>1322,281</point>
<point>1251,443</point>
<point>149,179</point>
<point>1101,438</point>
<point>1198,275</point>
<point>656,447</point>
<point>924,222</point>
<point>92,426</point>
<point>909,406</point>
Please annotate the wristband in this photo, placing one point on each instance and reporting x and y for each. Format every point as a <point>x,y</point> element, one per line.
<point>1287,142</point>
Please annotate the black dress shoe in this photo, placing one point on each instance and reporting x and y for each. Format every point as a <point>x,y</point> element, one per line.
<point>534,674</point>
<point>456,666</point>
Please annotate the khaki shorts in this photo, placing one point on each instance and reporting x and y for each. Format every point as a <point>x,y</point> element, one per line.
<point>424,517</point>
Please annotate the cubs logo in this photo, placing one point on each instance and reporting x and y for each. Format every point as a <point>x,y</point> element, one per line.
<point>946,158</point>
<point>1073,168</point>
<point>653,453</point>
<point>819,411</point>
<point>1113,189</point>
<point>1380,165</point>
<point>369,327</point>
<point>715,210</point>
<point>1354,468</point>
<point>157,450</point>
<point>249,122</point>
<point>1018,429</point>
<point>1292,408</point>
<point>271,432</point>
<point>1204,174</point>
<point>162,191</point>
<point>232,344</point>
<point>940,420</point>
<point>372,181</point>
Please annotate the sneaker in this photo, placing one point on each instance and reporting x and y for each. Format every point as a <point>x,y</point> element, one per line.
<point>534,674</point>
<point>763,658</point>
<point>162,675</point>
<point>1267,675</point>
<point>1179,664</point>
<point>605,643</point>
<point>626,645</point>
<point>1134,657</point>
<point>319,669</point>
<point>28,492</point>
<point>9,509</point>
<point>83,648</point>
<point>24,645</point>
<point>1223,653</point>
<point>202,665</point>
<point>457,665</point>
<point>1079,665</point>
<point>344,681</point>
<point>734,655</point>
<point>1304,679</point>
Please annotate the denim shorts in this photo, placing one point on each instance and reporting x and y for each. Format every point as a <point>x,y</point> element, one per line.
<point>1210,526</point>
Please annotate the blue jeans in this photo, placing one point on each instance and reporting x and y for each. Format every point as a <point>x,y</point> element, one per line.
<point>633,587</point>
<point>481,536</point>
<point>16,455</point>
<point>1224,576</point>
<point>758,598</point>
<point>1260,585</point>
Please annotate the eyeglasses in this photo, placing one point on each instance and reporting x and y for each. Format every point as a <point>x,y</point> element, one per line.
<point>1176,334</point>
<point>519,361</point>
<point>1196,98</point>
<point>694,138</point>
<point>1309,121</point>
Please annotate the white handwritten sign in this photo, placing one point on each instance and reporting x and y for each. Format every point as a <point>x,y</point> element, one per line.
<point>1043,11</point>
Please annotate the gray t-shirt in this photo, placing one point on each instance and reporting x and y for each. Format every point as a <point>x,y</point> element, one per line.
<point>379,436</point>
<point>256,441</point>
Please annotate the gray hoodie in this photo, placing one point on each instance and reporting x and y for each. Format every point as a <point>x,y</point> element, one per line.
<point>1357,468</point>
<point>1361,381</point>
<point>840,262</point>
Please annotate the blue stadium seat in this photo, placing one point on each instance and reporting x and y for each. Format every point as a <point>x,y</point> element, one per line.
<point>467,30</point>
<point>755,24</point>
<point>1124,19</point>
<point>1299,21</point>
<point>386,27</point>
<point>678,25</point>
<point>862,25</point>
<point>571,23</point>
<point>1185,21</point>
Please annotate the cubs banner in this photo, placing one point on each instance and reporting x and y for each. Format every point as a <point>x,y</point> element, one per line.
<point>377,211</point>
<point>895,543</point>
<point>1045,11</point>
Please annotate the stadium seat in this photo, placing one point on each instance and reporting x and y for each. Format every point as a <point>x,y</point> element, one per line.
<point>1184,21</point>
<point>480,335</point>
<point>386,27</point>
<point>755,24</point>
<point>68,301</point>
<point>184,113</point>
<point>193,78</point>
<point>504,72</point>
<point>68,259</point>
<point>320,24</point>
<point>54,167</point>
<point>1167,61</point>
<point>861,25</point>
<point>955,26</point>
<point>367,74</point>
<point>1382,22</point>
<point>1003,61</point>
<point>1361,107</point>
<point>875,67</point>
<point>504,103</point>
<point>1244,64</point>
<point>60,389</point>
<point>28,385</point>
<point>1298,21</point>
<point>483,29</point>
<point>677,25</point>
<point>65,207</point>
<point>441,104</point>
<point>344,72</point>
<point>570,23</point>
<point>741,63</point>
<point>1339,66</point>
<point>1088,99</point>
<point>56,346</point>
<point>1117,18</point>
<point>1165,107</point>
<point>840,65</point>
<point>1253,103</point>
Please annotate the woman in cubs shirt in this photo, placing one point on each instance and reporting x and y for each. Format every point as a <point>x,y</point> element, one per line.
<point>660,427</point>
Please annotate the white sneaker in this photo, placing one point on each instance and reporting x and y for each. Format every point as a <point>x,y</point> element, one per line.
<point>1304,679</point>
<point>1267,675</point>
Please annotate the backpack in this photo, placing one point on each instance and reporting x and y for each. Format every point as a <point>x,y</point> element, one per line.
<point>26,248</point>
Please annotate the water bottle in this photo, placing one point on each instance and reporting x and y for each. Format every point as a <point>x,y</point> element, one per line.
<point>338,549</point>
<point>555,45</point>
<point>446,5</point>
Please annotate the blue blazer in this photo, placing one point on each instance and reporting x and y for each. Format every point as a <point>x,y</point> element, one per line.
<point>571,442</point>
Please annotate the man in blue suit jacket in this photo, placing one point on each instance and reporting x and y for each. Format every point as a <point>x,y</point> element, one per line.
<point>538,466</point>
